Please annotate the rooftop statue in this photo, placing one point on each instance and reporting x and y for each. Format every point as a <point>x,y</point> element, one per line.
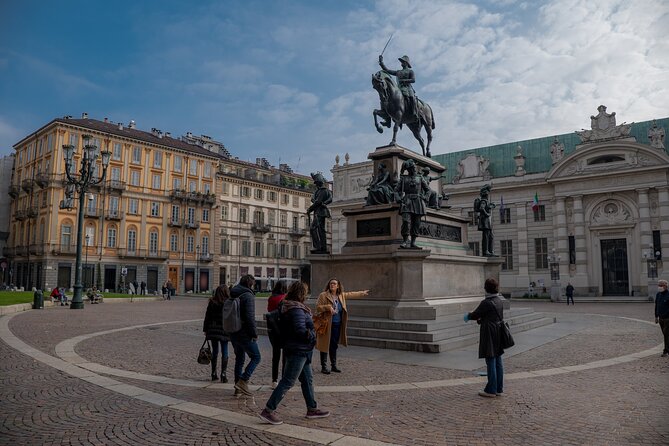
<point>603,126</point>
<point>400,105</point>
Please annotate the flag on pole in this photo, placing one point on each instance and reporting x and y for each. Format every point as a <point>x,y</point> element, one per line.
<point>501,206</point>
<point>535,204</point>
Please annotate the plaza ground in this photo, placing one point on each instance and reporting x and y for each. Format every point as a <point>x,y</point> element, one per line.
<point>125,374</point>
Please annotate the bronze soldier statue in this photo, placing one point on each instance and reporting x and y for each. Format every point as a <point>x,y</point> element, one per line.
<point>484,207</point>
<point>410,191</point>
<point>405,77</point>
<point>321,198</point>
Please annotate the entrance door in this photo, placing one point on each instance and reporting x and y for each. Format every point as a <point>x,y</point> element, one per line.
<point>110,278</point>
<point>173,276</point>
<point>615,278</point>
<point>151,280</point>
<point>64,276</point>
<point>189,280</point>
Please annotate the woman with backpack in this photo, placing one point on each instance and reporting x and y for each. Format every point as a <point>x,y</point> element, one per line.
<point>213,330</point>
<point>297,330</point>
<point>278,294</point>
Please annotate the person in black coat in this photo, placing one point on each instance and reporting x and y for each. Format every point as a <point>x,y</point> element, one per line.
<point>662,313</point>
<point>245,340</point>
<point>213,330</point>
<point>299,336</point>
<point>489,314</point>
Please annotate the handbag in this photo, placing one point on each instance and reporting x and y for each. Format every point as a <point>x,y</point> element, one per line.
<point>204,355</point>
<point>505,338</point>
<point>321,323</point>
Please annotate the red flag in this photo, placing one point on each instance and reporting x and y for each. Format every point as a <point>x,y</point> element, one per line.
<point>535,204</point>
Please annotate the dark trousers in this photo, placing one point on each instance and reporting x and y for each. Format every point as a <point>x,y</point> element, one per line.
<point>664,326</point>
<point>570,297</point>
<point>334,342</point>
<point>276,357</point>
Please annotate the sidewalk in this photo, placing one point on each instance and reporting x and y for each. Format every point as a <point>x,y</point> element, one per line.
<point>63,383</point>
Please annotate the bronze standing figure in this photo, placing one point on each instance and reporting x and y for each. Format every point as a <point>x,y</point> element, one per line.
<point>321,198</point>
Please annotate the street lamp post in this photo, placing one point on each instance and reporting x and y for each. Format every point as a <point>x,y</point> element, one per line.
<point>554,264</point>
<point>87,284</point>
<point>197,269</point>
<point>81,182</point>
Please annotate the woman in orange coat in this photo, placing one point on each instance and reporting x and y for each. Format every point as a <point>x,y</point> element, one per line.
<point>331,307</point>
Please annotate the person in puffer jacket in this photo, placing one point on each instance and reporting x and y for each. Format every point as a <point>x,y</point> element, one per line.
<point>297,329</point>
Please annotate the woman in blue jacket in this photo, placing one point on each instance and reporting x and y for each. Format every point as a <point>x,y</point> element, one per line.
<point>297,331</point>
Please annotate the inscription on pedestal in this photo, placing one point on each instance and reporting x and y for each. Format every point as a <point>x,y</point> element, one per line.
<point>376,227</point>
<point>441,232</point>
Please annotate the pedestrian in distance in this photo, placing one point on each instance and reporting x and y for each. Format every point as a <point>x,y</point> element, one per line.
<point>331,308</point>
<point>213,331</point>
<point>569,291</point>
<point>164,292</point>
<point>489,314</point>
<point>143,286</point>
<point>662,312</point>
<point>245,340</point>
<point>278,294</point>
<point>297,329</point>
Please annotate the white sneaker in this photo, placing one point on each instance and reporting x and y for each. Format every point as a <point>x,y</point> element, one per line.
<point>274,384</point>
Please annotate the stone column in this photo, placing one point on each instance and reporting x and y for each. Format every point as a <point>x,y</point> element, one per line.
<point>663,202</point>
<point>645,236</point>
<point>561,244</point>
<point>581,279</point>
<point>523,277</point>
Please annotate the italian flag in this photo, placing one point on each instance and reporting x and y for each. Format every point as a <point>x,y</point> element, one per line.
<point>535,203</point>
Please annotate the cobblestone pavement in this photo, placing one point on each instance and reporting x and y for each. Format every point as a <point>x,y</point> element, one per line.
<point>619,404</point>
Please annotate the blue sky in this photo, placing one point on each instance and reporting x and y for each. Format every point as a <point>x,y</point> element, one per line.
<point>291,80</point>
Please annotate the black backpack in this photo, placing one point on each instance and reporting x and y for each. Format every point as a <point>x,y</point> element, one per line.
<point>273,319</point>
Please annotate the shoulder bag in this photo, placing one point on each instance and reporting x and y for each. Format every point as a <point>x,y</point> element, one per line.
<point>505,338</point>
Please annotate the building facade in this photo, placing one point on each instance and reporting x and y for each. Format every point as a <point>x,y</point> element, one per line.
<point>177,209</point>
<point>590,208</point>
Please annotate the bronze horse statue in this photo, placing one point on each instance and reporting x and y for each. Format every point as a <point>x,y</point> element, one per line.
<point>393,107</point>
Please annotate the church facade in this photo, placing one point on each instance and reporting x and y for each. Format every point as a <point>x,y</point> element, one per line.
<point>590,208</point>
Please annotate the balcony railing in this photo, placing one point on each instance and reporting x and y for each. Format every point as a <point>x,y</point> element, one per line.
<point>116,185</point>
<point>63,249</point>
<point>37,249</point>
<point>20,215</point>
<point>206,258</point>
<point>182,195</point>
<point>43,179</point>
<point>296,232</point>
<point>114,214</point>
<point>175,222</point>
<point>192,224</point>
<point>14,190</point>
<point>31,212</point>
<point>92,212</point>
<point>67,203</point>
<point>143,253</point>
<point>260,228</point>
<point>27,184</point>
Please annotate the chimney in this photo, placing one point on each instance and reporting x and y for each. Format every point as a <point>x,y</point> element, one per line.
<point>120,126</point>
<point>168,135</point>
<point>106,119</point>
<point>84,115</point>
<point>189,134</point>
<point>132,124</point>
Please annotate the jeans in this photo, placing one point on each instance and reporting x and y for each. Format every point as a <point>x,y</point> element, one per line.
<point>215,343</point>
<point>664,326</point>
<point>495,375</point>
<point>249,347</point>
<point>298,366</point>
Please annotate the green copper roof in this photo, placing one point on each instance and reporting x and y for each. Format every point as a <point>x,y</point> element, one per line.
<point>536,151</point>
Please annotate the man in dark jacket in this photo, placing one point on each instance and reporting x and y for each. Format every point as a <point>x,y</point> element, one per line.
<point>245,340</point>
<point>489,315</point>
<point>662,313</point>
<point>569,291</point>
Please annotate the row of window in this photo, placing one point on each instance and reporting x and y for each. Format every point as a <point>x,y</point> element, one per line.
<point>131,245</point>
<point>259,194</point>
<point>506,253</point>
<point>259,217</point>
<point>505,215</point>
<point>249,248</point>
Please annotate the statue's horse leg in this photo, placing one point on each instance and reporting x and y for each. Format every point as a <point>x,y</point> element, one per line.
<point>383,115</point>
<point>415,129</point>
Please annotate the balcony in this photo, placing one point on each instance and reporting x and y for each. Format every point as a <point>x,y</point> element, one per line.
<point>114,214</point>
<point>115,186</point>
<point>63,249</point>
<point>37,249</point>
<point>20,251</point>
<point>178,195</point>
<point>20,215</point>
<point>260,228</point>
<point>297,233</point>
<point>13,190</point>
<point>92,212</point>
<point>143,253</point>
<point>209,199</point>
<point>206,257</point>
<point>174,222</point>
<point>67,203</point>
<point>43,179</point>
<point>27,185</point>
<point>192,224</point>
<point>31,212</point>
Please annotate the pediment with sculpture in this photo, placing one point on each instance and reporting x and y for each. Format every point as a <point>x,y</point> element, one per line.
<point>611,212</point>
<point>608,157</point>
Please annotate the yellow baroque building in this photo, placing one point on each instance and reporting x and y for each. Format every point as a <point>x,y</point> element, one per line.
<point>168,209</point>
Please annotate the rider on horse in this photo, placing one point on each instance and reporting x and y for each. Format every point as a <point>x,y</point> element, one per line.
<point>405,77</point>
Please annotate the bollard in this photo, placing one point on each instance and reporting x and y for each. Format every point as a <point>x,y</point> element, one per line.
<point>38,300</point>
